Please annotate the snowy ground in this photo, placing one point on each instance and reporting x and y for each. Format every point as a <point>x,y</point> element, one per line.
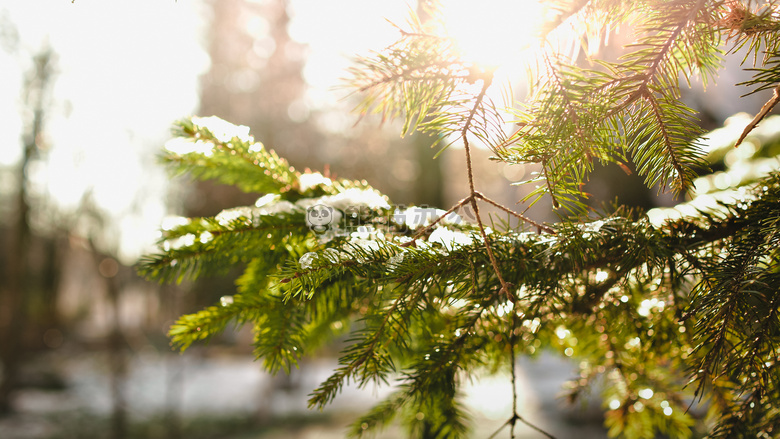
<point>194,385</point>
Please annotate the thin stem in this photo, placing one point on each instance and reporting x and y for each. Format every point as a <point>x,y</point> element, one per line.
<point>441,217</point>
<point>522,217</point>
<point>504,285</point>
<point>655,107</point>
<point>465,131</point>
<point>473,193</point>
<point>514,373</point>
<point>517,417</point>
<point>774,100</point>
<point>549,184</point>
<point>495,433</point>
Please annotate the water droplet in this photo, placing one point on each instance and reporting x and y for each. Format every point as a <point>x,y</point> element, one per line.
<point>226,300</point>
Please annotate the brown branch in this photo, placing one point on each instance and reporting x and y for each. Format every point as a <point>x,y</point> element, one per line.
<point>464,132</point>
<point>517,417</point>
<point>649,76</point>
<point>470,171</point>
<point>444,215</point>
<point>495,433</point>
<point>522,217</point>
<point>549,184</point>
<point>512,340</point>
<point>770,104</point>
<point>569,107</point>
<point>513,420</point>
<point>504,285</point>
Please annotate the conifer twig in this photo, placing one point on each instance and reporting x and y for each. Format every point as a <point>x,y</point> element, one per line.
<point>441,217</point>
<point>522,217</point>
<point>473,192</point>
<point>513,366</point>
<point>770,104</point>
<point>516,418</point>
<point>658,114</point>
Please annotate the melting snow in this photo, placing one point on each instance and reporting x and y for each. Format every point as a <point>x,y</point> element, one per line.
<point>450,239</point>
<point>222,130</point>
<point>307,260</point>
<point>180,145</point>
<point>308,181</point>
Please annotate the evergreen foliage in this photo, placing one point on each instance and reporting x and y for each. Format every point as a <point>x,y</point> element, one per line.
<point>672,313</point>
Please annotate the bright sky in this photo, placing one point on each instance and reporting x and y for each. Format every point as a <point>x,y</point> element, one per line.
<point>128,68</point>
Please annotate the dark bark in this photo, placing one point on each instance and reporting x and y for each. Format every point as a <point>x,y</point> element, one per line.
<point>14,294</point>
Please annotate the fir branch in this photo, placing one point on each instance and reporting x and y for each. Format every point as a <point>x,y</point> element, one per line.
<point>770,104</point>
<point>210,321</point>
<point>414,78</point>
<point>638,98</point>
<point>368,350</point>
<point>539,226</point>
<point>210,148</point>
<point>216,246</point>
<point>755,29</point>
<point>737,303</point>
<point>280,336</point>
<point>647,306</point>
<point>380,415</point>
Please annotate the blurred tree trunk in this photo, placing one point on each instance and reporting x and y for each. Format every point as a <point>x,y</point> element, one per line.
<point>429,186</point>
<point>13,297</point>
<point>171,304</point>
<point>108,270</point>
<point>51,275</point>
<point>116,349</point>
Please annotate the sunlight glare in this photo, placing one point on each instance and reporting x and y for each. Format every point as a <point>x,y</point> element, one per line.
<point>494,33</point>
<point>112,104</point>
